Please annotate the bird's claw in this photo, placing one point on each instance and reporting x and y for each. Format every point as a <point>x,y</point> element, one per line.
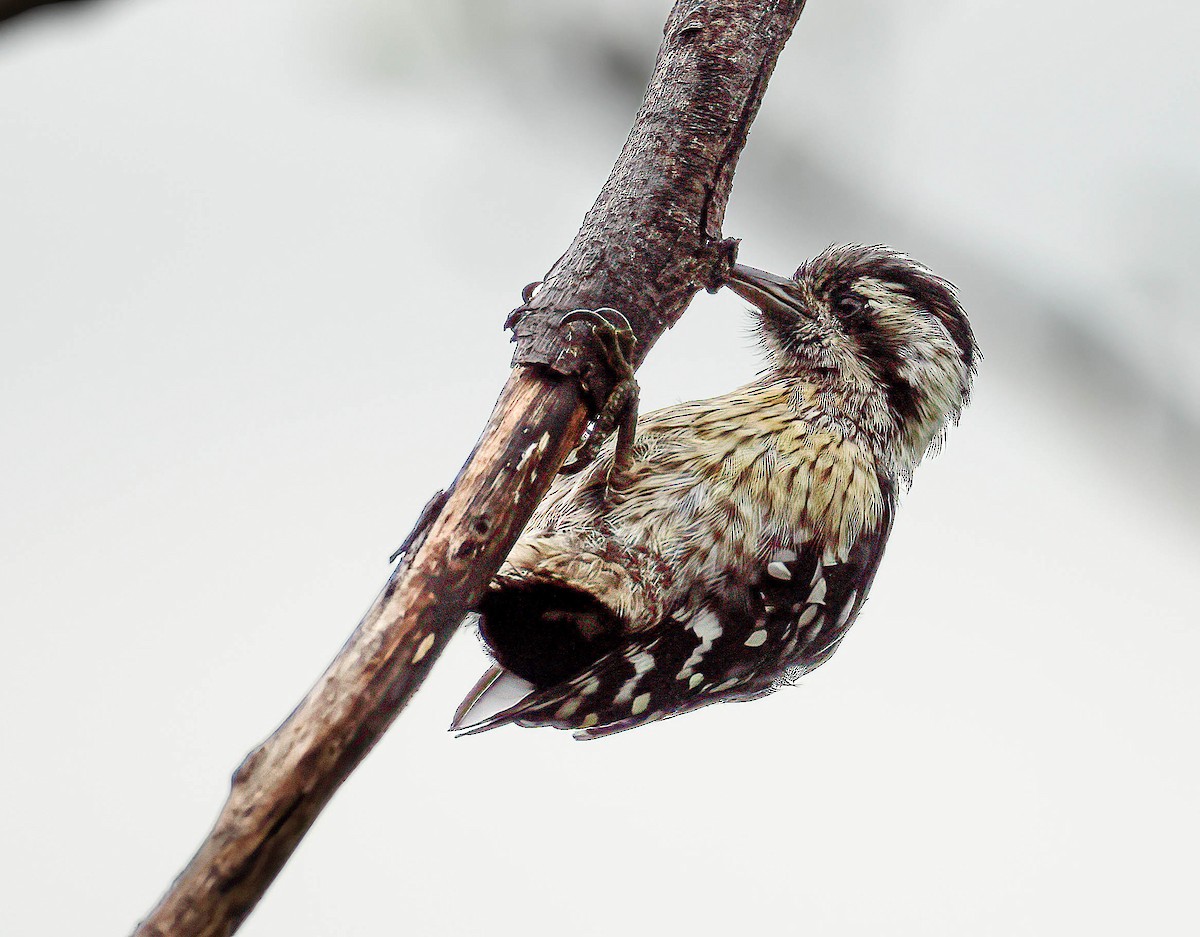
<point>619,411</point>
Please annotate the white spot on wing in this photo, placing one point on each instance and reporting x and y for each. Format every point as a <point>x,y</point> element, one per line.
<point>707,627</point>
<point>841,619</point>
<point>567,709</point>
<point>643,663</point>
<point>777,570</point>
<point>757,639</point>
<point>640,704</point>
<point>697,679</point>
<point>812,631</point>
<point>817,596</point>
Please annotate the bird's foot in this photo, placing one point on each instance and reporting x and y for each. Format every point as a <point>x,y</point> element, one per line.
<point>620,409</point>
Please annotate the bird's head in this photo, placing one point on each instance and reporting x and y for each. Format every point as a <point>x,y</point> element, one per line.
<point>883,340</point>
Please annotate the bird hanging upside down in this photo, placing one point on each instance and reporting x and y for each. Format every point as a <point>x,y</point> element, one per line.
<point>740,539</point>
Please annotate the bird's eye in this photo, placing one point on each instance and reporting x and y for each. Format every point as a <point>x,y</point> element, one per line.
<point>851,307</point>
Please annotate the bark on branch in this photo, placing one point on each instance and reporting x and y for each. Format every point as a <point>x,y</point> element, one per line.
<point>650,242</point>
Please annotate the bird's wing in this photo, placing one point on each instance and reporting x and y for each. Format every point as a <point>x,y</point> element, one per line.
<point>736,645</point>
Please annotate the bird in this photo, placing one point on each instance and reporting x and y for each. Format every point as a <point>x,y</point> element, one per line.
<point>740,540</point>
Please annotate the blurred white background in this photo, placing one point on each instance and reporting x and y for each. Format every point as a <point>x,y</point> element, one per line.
<point>237,245</point>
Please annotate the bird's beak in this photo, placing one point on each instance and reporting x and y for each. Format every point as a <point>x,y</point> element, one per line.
<point>772,294</point>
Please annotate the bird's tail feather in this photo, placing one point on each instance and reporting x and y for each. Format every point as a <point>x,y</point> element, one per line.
<point>495,693</point>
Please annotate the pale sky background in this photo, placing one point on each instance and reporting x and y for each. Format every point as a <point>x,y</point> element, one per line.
<point>240,245</point>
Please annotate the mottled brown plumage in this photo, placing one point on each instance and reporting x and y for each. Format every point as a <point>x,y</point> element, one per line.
<point>740,544</point>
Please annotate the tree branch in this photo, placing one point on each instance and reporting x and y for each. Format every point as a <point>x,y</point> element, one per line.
<point>646,247</point>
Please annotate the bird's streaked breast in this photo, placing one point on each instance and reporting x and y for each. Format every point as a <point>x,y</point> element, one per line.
<point>716,486</point>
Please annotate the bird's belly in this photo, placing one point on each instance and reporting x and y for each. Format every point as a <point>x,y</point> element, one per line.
<point>714,534</point>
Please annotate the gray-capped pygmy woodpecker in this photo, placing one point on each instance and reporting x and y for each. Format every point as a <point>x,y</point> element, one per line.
<point>739,542</point>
